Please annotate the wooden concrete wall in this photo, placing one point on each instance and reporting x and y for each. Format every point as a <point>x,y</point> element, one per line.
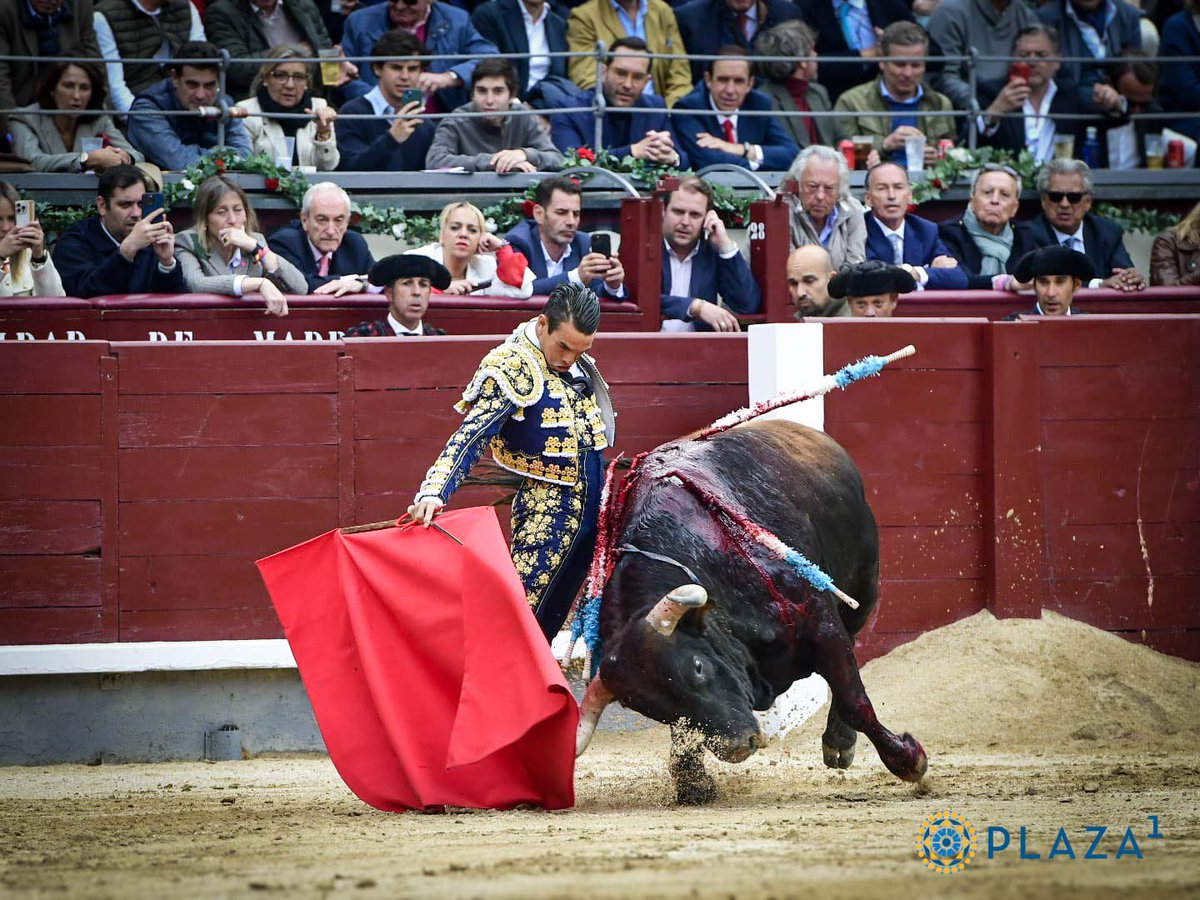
<point>1013,466</point>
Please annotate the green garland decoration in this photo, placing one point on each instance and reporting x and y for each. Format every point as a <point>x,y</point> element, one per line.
<point>957,166</point>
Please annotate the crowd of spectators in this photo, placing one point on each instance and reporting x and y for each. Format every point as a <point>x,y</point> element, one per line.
<point>398,107</point>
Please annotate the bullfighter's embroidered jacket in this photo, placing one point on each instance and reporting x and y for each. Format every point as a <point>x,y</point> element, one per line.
<point>536,423</point>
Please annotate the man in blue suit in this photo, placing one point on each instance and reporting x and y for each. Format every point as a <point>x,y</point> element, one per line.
<point>120,251</point>
<point>522,26</point>
<point>896,236</point>
<point>701,262</point>
<point>333,259</point>
<point>443,28</point>
<point>715,133</point>
<point>398,139</point>
<point>557,250</point>
<point>642,135</point>
<point>708,25</point>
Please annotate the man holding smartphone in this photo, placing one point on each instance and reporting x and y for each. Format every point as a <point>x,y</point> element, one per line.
<point>558,251</point>
<point>123,250</point>
<point>399,139</point>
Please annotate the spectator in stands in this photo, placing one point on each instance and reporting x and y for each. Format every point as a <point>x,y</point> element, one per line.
<point>823,212</point>
<point>607,20</point>
<point>26,270</point>
<point>715,133</point>
<point>1056,273</point>
<point>478,262</point>
<point>851,28</point>
<point>250,28</point>
<point>793,88</point>
<point>984,240</point>
<point>175,142</point>
<point>1133,81</point>
<point>55,143</point>
<point>901,238</point>
<point>701,263</point>
<point>1045,98</point>
<point>120,251</point>
<point>1180,91</point>
<point>444,29</point>
<point>809,269</point>
<point>557,250</point>
<point>989,27</point>
<point>1099,29</point>
<point>333,259</point>
<point>141,29</point>
<point>525,26</point>
<point>398,140</point>
<point>224,253</point>
<point>872,288</point>
<point>283,86</point>
<point>642,135</point>
<point>406,279</point>
<point>498,141</point>
<point>1067,220</point>
<point>708,25</point>
<point>1175,256</point>
<point>895,105</point>
<point>40,28</point>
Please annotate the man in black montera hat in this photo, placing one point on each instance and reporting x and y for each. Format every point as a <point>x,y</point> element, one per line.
<point>1057,273</point>
<point>872,288</point>
<point>539,401</point>
<point>407,280</point>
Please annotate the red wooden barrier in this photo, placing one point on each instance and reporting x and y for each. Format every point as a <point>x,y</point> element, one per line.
<point>1017,466</point>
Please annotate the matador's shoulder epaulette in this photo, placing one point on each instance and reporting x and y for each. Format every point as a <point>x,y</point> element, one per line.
<point>515,369</point>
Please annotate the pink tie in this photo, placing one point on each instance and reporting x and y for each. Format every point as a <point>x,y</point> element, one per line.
<point>729,133</point>
<point>323,266</point>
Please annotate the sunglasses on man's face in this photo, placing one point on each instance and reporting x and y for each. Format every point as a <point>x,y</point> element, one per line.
<point>1073,197</point>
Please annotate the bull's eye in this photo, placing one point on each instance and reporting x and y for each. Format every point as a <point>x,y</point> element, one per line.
<point>699,667</point>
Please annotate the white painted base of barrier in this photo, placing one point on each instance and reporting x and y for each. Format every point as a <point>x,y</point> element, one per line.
<point>145,656</point>
<point>786,358</point>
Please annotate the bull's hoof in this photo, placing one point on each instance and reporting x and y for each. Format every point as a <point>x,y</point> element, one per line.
<point>696,792</point>
<point>837,759</point>
<point>909,763</point>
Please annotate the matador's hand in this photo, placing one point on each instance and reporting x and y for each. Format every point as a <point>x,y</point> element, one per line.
<point>424,511</point>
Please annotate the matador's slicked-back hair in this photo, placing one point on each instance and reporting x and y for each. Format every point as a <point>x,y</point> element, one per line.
<point>574,303</point>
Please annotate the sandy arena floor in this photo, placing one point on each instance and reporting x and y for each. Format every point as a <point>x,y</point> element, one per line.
<point>1046,725</point>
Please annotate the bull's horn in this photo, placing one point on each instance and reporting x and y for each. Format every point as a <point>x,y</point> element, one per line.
<point>595,698</point>
<point>670,609</point>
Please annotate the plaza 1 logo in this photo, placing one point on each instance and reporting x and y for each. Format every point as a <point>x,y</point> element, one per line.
<point>947,842</point>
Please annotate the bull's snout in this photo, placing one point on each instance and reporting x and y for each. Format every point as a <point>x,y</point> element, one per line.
<point>736,749</point>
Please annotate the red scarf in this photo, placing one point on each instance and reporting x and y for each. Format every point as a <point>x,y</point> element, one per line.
<point>799,93</point>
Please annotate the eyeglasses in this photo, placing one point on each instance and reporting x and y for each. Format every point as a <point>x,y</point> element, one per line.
<point>285,77</point>
<point>1073,197</point>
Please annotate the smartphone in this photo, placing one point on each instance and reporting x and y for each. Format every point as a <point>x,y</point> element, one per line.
<point>602,243</point>
<point>1019,70</point>
<point>151,200</point>
<point>483,285</point>
<point>412,95</point>
<point>24,211</point>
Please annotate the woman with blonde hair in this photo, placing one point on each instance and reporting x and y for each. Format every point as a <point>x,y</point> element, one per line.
<point>224,253</point>
<point>478,262</point>
<point>26,269</point>
<point>1175,256</point>
<point>282,86</point>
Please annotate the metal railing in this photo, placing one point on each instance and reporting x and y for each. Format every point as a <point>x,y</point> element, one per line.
<point>598,108</point>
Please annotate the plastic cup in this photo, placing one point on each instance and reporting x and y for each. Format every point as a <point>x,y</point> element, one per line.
<point>1154,151</point>
<point>331,66</point>
<point>284,160</point>
<point>914,152</point>
<point>1064,146</point>
<point>863,144</point>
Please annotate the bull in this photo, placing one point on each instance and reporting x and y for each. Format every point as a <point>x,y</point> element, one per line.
<point>699,628</point>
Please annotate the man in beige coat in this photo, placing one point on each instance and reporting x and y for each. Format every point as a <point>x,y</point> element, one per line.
<point>607,20</point>
<point>823,212</point>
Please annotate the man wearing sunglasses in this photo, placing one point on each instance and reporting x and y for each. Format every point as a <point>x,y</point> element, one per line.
<point>1065,186</point>
<point>442,28</point>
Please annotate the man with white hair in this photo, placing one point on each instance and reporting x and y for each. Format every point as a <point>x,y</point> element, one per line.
<point>823,212</point>
<point>334,259</point>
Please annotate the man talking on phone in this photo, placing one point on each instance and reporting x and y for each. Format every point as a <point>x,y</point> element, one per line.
<point>126,249</point>
<point>700,263</point>
<point>558,251</point>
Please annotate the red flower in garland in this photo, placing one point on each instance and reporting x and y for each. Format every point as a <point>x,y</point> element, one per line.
<point>737,219</point>
<point>272,184</point>
<point>586,153</point>
<point>937,183</point>
<point>527,208</point>
<point>220,164</point>
<point>912,207</point>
